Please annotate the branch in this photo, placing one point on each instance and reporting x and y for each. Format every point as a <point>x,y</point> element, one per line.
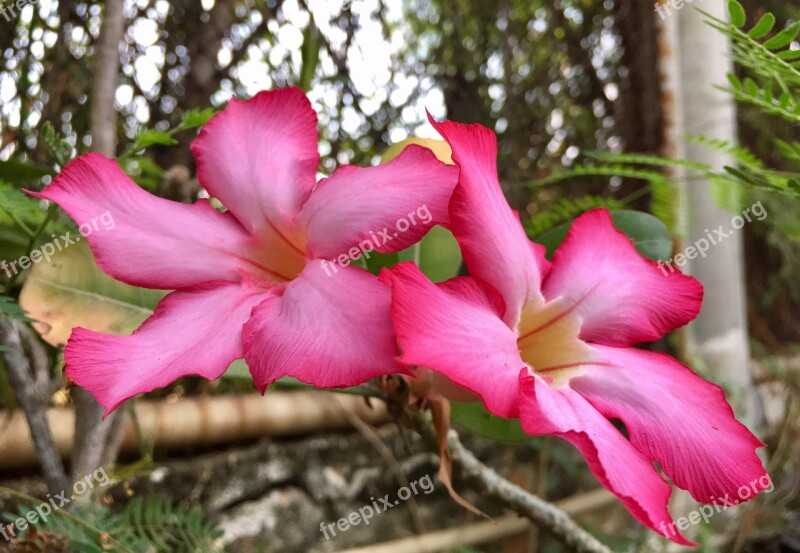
<point>540,512</point>
<point>21,378</point>
<point>94,442</point>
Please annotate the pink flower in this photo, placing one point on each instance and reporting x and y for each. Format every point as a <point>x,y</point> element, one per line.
<point>551,345</point>
<point>250,282</point>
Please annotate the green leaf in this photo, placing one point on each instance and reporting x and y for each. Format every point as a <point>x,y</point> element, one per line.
<point>58,147</point>
<point>475,418</point>
<point>738,174</point>
<point>21,172</point>
<point>735,82</point>
<point>649,235</point>
<point>16,204</point>
<point>378,261</point>
<point>238,370</point>
<point>736,11</point>
<point>789,55</point>
<point>143,170</point>
<point>764,26</point>
<point>784,38</point>
<point>195,118</point>
<point>439,256</point>
<point>750,86</point>
<point>151,137</point>
<point>13,244</point>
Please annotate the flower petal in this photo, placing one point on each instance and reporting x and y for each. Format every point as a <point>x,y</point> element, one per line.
<point>386,208</point>
<point>328,330</point>
<point>622,297</point>
<point>195,331</point>
<point>495,246</point>
<point>611,458</point>
<point>144,240</point>
<point>259,158</point>
<point>454,329</point>
<point>676,418</point>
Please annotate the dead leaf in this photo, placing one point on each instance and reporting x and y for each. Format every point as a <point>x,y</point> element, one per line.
<point>440,409</point>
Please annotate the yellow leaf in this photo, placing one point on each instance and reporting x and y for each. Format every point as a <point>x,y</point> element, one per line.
<point>71,290</point>
<point>440,149</point>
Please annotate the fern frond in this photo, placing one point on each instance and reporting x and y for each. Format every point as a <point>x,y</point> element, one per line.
<point>748,91</point>
<point>774,68</point>
<point>770,59</point>
<point>663,200</point>
<point>644,159</point>
<point>58,147</point>
<point>167,527</point>
<point>738,153</point>
<point>146,524</point>
<point>790,150</point>
<point>610,170</point>
<point>566,210</point>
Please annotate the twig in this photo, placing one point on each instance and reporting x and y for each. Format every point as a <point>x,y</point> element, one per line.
<point>21,378</point>
<point>540,512</point>
<point>385,452</point>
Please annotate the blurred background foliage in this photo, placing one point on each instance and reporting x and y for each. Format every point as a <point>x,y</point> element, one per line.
<point>555,80</point>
